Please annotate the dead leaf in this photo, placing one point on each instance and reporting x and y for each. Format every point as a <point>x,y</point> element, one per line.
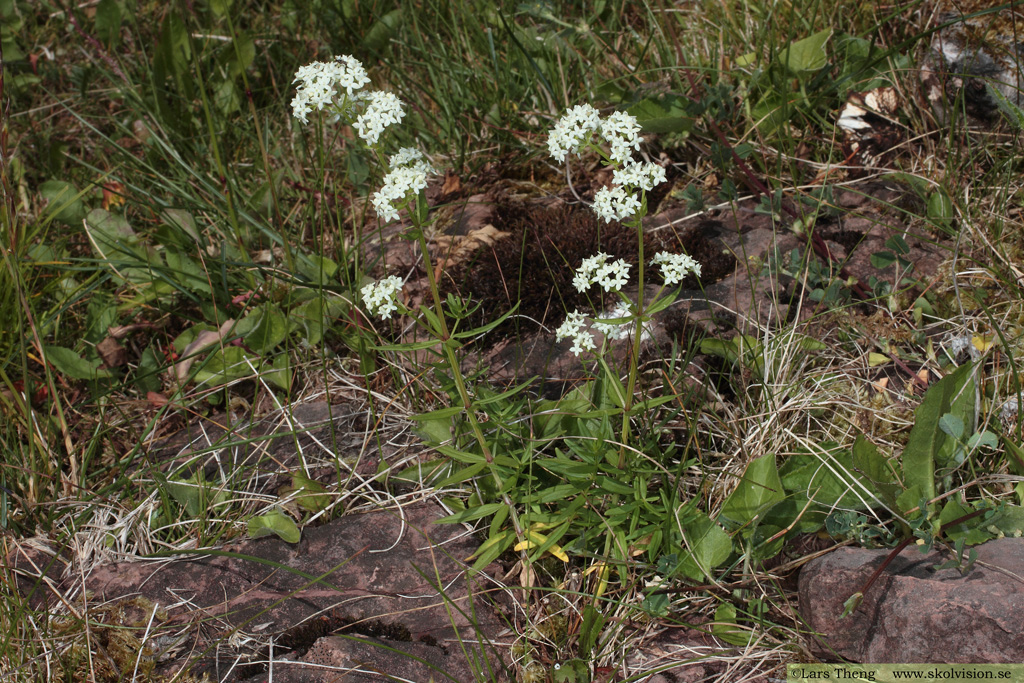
<point>156,400</point>
<point>112,353</point>
<point>451,184</point>
<point>203,340</point>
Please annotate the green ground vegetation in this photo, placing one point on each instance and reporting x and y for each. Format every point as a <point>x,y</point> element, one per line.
<point>178,247</point>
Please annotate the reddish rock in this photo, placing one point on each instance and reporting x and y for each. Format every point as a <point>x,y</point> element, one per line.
<point>358,659</point>
<point>914,613</point>
<point>376,574</point>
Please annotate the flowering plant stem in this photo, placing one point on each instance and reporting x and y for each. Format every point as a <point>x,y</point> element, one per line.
<point>444,337</point>
<point>634,356</point>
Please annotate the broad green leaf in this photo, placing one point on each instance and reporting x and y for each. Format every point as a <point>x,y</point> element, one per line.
<point>807,54</point>
<point>591,628</point>
<point>758,490</point>
<point>181,220</point>
<point>377,38</point>
<point>883,259</point>
<point>108,21</point>
<point>317,315</point>
<point>940,208</point>
<point>972,532</point>
<point>435,427</point>
<point>663,114</point>
<point>112,237</point>
<point>263,328</point>
<point>318,269</point>
<point>828,477</point>
<point>274,523</point>
<point>279,372</point>
<point>708,544</point>
<point>870,462</point>
<point>64,202</point>
<point>72,365</point>
<point>185,272</point>
<point>220,8</point>
<point>243,52</point>
<point>725,627</point>
<point>195,494</point>
<point>311,495</point>
<point>225,365</point>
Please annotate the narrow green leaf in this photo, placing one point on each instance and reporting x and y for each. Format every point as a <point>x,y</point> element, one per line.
<point>927,443</point>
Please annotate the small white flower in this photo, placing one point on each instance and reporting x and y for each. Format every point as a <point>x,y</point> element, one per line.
<point>573,327</point>
<point>643,176</point>
<point>621,324</point>
<point>597,269</point>
<point>619,328</point>
<point>614,204</point>
<point>675,267</point>
<point>621,131</point>
<point>573,130</point>
<point>408,175</point>
<point>379,297</point>
<point>319,81</point>
<point>409,156</point>
<point>382,109</point>
<point>350,74</point>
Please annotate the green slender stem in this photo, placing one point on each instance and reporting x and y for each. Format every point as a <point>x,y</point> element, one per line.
<point>460,383</point>
<point>634,356</point>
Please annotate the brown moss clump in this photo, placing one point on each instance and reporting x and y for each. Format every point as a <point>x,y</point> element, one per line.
<point>534,266</point>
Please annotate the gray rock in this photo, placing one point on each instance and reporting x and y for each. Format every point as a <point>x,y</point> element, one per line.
<point>913,613</point>
<point>976,59</point>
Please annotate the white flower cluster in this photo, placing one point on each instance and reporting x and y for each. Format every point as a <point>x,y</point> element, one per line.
<point>319,82</point>
<point>382,109</point>
<point>622,133</point>
<point>619,325</point>
<point>615,204</point>
<point>409,171</point>
<point>645,176</point>
<point>597,269</point>
<point>575,327</point>
<point>573,131</point>
<point>619,328</point>
<point>380,296</point>
<point>675,267</point>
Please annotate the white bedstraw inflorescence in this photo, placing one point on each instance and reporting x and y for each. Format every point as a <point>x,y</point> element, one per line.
<point>319,83</point>
<point>575,327</point>
<point>379,297</point>
<point>675,267</point>
<point>573,130</point>
<point>409,171</point>
<point>621,132</point>
<point>612,275</point>
<point>336,86</point>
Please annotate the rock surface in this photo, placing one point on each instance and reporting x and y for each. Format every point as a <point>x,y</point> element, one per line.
<point>913,613</point>
<point>976,59</point>
<point>375,575</point>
